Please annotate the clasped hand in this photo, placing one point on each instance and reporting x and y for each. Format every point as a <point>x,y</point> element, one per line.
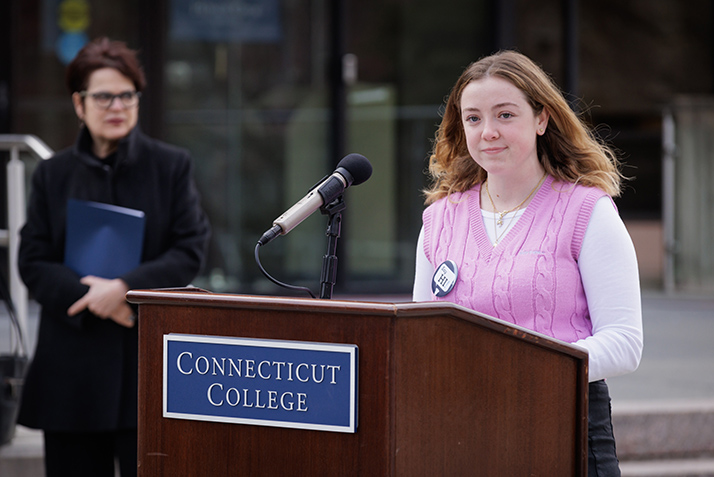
<point>106,299</point>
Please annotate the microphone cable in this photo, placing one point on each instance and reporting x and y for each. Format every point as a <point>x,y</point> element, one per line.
<point>278,282</point>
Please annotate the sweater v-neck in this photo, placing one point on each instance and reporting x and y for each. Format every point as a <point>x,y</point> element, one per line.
<point>478,228</point>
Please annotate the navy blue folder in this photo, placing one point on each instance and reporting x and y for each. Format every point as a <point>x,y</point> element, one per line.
<point>103,240</point>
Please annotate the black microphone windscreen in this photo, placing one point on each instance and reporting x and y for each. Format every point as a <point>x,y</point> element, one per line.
<point>358,166</point>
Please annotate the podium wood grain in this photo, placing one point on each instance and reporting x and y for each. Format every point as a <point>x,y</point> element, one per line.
<point>442,391</point>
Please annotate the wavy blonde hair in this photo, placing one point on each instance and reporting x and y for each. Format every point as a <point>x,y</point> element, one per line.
<point>569,151</point>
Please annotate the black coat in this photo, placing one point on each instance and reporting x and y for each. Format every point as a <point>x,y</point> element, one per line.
<point>83,376</point>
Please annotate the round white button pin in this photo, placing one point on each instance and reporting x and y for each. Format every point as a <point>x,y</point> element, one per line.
<point>444,278</point>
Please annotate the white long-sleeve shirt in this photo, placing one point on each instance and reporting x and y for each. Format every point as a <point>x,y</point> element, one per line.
<point>610,277</point>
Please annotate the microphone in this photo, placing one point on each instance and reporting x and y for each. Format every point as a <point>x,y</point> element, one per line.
<point>352,169</point>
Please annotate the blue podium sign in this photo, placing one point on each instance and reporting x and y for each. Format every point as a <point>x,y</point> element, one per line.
<point>276,383</point>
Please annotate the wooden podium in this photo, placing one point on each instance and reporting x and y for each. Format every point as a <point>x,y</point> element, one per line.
<point>442,391</point>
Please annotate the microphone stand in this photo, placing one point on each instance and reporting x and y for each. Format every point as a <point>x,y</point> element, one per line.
<point>328,276</point>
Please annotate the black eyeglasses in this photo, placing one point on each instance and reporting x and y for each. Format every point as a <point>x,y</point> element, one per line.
<point>104,100</point>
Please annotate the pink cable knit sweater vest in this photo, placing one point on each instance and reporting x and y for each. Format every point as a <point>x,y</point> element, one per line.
<point>531,277</point>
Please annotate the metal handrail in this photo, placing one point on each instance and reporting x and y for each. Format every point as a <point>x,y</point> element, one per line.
<point>15,143</point>
<point>26,142</point>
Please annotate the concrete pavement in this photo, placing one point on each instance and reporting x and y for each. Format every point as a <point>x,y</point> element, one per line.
<point>663,413</point>
<point>678,356</point>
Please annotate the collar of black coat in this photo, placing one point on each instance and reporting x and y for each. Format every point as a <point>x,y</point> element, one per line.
<point>126,153</point>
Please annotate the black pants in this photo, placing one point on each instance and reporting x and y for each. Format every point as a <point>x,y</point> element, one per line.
<point>90,454</point>
<point>602,458</point>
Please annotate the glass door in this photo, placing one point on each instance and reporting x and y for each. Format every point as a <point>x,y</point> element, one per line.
<point>246,90</point>
<point>269,95</point>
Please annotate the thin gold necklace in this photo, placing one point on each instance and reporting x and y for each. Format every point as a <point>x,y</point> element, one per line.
<point>499,222</point>
<point>502,214</point>
<point>499,236</point>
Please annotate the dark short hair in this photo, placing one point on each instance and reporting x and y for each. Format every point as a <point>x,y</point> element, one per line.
<point>104,53</point>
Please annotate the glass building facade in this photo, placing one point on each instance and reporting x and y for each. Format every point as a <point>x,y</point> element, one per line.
<point>269,95</point>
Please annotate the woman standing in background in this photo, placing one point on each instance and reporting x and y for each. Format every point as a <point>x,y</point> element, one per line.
<point>81,388</point>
